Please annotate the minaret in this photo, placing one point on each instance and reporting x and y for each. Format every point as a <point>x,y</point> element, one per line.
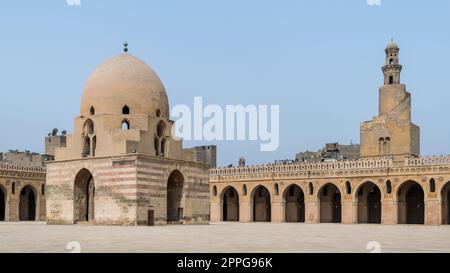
<point>391,133</point>
<point>392,68</point>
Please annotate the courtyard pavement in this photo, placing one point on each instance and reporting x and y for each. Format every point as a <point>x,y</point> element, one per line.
<point>224,237</point>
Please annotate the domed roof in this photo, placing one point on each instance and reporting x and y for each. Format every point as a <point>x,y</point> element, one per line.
<point>121,81</point>
<point>392,45</point>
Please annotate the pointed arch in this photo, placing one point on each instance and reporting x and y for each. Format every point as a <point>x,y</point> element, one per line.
<point>261,204</point>
<point>368,203</point>
<point>175,184</point>
<point>125,110</point>
<point>27,204</point>
<point>294,202</point>
<point>330,204</point>
<point>230,204</point>
<point>84,197</point>
<point>411,203</point>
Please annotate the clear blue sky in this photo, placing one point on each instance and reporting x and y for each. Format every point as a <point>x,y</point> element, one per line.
<point>319,60</point>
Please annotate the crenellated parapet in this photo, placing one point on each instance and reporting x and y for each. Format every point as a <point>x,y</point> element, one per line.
<point>22,171</point>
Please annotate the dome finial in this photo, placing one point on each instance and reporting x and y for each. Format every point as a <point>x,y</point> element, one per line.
<point>125,49</point>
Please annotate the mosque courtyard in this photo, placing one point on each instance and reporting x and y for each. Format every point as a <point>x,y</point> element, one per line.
<point>37,237</point>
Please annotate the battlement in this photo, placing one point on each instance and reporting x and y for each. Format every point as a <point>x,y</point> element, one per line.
<point>360,164</point>
<point>22,168</point>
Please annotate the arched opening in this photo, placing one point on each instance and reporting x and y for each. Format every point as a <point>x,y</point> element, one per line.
<point>125,125</point>
<point>158,113</point>
<point>88,128</point>
<point>294,204</point>
<point>432,185</point>
<point>86,146</point>
<point>84,197</point>
<point>261,205</point>
<point>330,204</point>
<point>387,146</point>
<point>276,189</point>
<point>388,187</point>
<point>27,204</point>
<point>230,205</point>
<point>125,110</point>
<point>368,201</point>
<point>244,190</point>
<point>445,196</point>
<point>92,111</point>
<point>160,141</point>
<point>174,197</point>
<point>310,188</point>
<point>348,187</point>
<point>94,145</point>
<point>411,205</point>
<point>13,188</point>
<point>381,146</point>
<point>2,204</point>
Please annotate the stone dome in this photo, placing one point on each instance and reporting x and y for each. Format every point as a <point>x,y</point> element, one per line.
<point>392,45</point>
<point>122,81</point>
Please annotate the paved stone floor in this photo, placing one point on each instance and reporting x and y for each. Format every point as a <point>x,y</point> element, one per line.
<point>224,237</point>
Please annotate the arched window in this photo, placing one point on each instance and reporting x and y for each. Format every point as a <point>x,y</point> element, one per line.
<point>432,185</point>
<point>13,188</point>
<point>161,128</point>
<point>160,141</point>
<point>88,128</point>
<point>125,125</point>
<point>86,147</point>
<point>125,110</point>
<point>348,187</point>
<point>387,146</point>
<point>244,190</point>
<point>158,113</point>
<point>381,146</point>
<point>43,189</point>
<point>94,145</point>
<point>92,111</point>
<point>388,187</point>
<point>215,190</point>
<point>310,188</point>
<point>276,189</point>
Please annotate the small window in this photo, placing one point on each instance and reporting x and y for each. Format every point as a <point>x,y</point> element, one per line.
<point>43,189</point>
<point>391,61</point>
<point>276,189</point>
<point>158,113</point>
<point>125,125</point>
<point>348,187</point>
<point>125,110</point>
<point>388,187</point>
<point>244,190</point>
<point>92,111</point>
<point>310,188</point>
<point>391,79</point>
<point>215,190</point>
<point>13,188</point>
<point>432,185</point>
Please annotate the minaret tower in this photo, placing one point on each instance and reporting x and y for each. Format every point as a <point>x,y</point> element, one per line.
<point>392,68</point>
<point>391,133</point>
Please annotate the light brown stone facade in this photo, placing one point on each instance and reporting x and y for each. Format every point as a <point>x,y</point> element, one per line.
<point>390,184</point>
<point>22,193</point>
<point>416,192</point>
<point>121,165</point>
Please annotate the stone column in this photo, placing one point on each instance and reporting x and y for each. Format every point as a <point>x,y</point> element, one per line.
<point>389,212</point>
<point>311,212</point>
<point>433,212</point>
<point>348,208</point>
<point>215,212</point>
<point>278,212</point>
<point>14,207</point>
<point>245,212</point>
